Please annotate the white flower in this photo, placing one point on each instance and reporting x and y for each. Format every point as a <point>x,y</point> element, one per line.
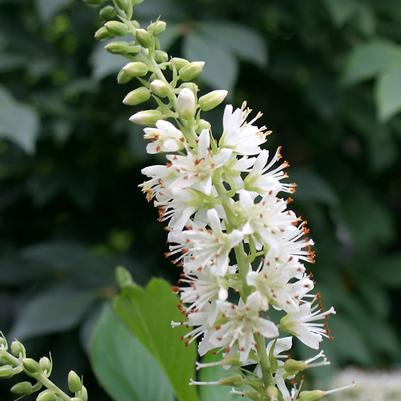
<point>238,134</point>
<point>201,247</point>
<point>264,178</point>
<point>241,324</point>
<point>274,281</point>
<point>196,170</point>
<point>165,138</point>
<point>302,324</point>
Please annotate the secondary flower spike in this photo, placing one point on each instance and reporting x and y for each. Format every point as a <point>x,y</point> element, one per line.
<point>244,291</point>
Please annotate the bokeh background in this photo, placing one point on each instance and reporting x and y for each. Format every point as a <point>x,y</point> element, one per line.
<point>326,74</point>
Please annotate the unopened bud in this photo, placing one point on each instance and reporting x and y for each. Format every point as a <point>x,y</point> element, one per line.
<point>102,33</point>
<point>146,117</point>
<point>18,349</point>
<point>46,365</point>
<point>293,367</point>
<point>116,28</point>
<point>83,394</point>
<point>46,395</point>
<point>30,365</point>
<point>6,371</point>
<point>161,56</point>
<point>137,96</point>
<point>107,13</point>
<point>272,393</point>
<point>117,47</point>
<point>122,4</point>
<point>311,395</point>
<point>203,124</point>
<point>186,104</point>
<point>191,71</point>
<point>190,85</point>
<point>157,27</point>
<point>136,69</point>
<point>74,382</point>
<point>144,38</point>
<point>212,99</point>
<point>235,380</point>
<point>160,88</point>
<point>179,62</point>
<point>23,388</point>
<point>76,399</point>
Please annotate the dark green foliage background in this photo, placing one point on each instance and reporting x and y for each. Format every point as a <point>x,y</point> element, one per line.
<point>70,209</point>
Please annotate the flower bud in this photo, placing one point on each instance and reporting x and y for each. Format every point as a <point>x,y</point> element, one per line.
<point>157,27</point>
<point>119,47</point>
<point>18,349</point>
<point>293,367</point>
<point>272,393</point>
<point>30,365</point>
<point>83,394</point>
<point>179,62</point>
<point>74,382</point>
<point>46,395</point>
<point>160,88</point>
<point>203,124</point>
<point>3,342</point>
<point>76,399</point>
<point>161,56</point>
<point>23,388</point>
<point>146,117</point>
<point>107,13</point>
<point>144,38</point>
<point>136,69</point>
<point>235,380</point>
<point>186,104</point>
<point>311,395</point>
<point>46,365</point>
<point>212,99</point>
<point>102,33</point>
<point>137,96</point>
<point>122,4</point>
<point>116,28</point>
<point>6,371</point>
<point>191,71</point>
<point>190,85</point>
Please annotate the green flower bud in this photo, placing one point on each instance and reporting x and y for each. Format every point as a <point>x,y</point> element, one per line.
<point>7,371</point>
<point>293,367</point>
<point>46,395</point>
<point>74,382</point>
<point>146,117</point>
<point>83,394</point>
<point>23,388</point>
<point>157,27</point>
<point>203,124</point>
<point>137,96</point>
<point>136,69</point>
<point>311,395</point>
<point>272,393</point>
<point>186,106</point>
<point>116,28</point>
<point>160,88</point>
<point>212,99</point>
<point>46,365</point>
<point>76,399</point>
<point>102,33</point>
<point>107,13</point>
<point>122,4</point>
<point>191,71</point>
<point>235,380</point>
<point>3,342</point>
<point>161,56</point>
<point>190,85</point>
<point>117,47</point>
<point>179,62</point>
<point>144,38</point>
<point>31,366</point>
<point>18,349</point>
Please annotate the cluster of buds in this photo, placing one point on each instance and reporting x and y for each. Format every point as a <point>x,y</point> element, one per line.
<point>244,290</point>
<point>13,361</point>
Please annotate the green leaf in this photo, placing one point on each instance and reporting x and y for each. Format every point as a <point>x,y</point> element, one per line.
<point>240,40</point>
<point>104,63</point>
<point>370,59</point>
<point>221,67</point>
<point>388,94</point>
<point>218,393</point>
<point>123,366</point>
<point>19,123</point>
<point>48,9</point>
<point>148,314</point>
<point>58,309</point>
